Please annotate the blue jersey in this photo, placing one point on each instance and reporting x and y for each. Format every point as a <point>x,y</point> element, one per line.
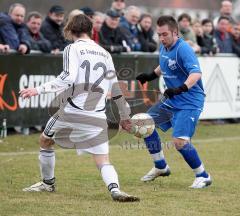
<point>176,65</point>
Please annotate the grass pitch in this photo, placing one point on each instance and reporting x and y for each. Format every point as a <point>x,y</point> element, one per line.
<point>80,190</point>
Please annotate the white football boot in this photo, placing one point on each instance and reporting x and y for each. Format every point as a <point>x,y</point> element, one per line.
<point>155,172</point>
<point>40,187</point>
<point>201,182</point>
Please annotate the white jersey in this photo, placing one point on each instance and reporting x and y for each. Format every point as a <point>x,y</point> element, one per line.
<point>89,70</point>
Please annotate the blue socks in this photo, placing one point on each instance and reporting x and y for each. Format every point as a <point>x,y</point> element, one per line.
<point>190,155</point>
<point>153,144</point>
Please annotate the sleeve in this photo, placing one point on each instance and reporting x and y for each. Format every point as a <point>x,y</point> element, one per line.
<point>8,33</point>
<point>44,44</point>
<point>68,76</point>
<point>113,80</point>
<point>116,92</point>
<point>188,59</point>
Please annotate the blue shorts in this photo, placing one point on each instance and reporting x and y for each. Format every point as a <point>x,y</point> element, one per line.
<point>183,122</point>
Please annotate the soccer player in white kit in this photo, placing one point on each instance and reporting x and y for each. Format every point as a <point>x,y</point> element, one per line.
<point>89,72</point>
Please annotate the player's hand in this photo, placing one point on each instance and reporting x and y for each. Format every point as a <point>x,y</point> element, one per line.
<point>126,124</point>
<point>4,48</point>
<point>27,93</point>
<point>142,78</point>
<point>55,51</point>
<point>22,49</point>
<point>171,92</point>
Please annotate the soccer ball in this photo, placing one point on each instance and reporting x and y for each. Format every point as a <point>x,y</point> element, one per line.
<point>142,125</point>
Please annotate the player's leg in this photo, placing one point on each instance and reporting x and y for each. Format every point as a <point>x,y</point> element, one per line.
<point>183,129</point>
<point>110,178</point>
<point>46,160</point>
<point>153,142</point>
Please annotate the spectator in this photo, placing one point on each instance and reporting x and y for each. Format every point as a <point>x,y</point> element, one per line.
<point>88,12</point>
<point>119,6</point>
<point>4,48</point>
<point>38,42</point>
<point>225,10</point>
<point>98,19</point>
<point>129,27</point>
<point>74,13</point>
<point>184,21</point>
<point>208,43</point>
<point>145,34</point>
<point>111,37</point>
<point>236,39</point>
<point>52,28</point>
<point>13,31</point>
<point>70,16</point>
<point>223,38</point>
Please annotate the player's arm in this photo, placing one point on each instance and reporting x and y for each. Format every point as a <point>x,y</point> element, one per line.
<point>192,79</point>
<point>117,96</point>
<point>123,107</point>
<point>146,77</point>
<point>190,67</point>
<point>63,81</point>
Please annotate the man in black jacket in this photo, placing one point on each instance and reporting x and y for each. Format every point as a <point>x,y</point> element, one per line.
<point>236,39</point>
<point>52,28</point>
<point>38,42</point>
<point>145,34</point>
<point>111,37</point>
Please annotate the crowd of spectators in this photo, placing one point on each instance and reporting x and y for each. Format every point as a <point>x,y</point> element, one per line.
<point>119,29</point>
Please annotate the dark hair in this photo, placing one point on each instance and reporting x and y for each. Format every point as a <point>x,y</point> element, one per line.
<point>168,20</point>
<point>205,21</point>
<point>222,18</point>
<point>34,14</point>
<point>184,15</point>
<point>143,16</point>
<point>78,25</point>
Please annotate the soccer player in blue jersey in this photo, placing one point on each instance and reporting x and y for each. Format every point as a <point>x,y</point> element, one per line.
<point>185,99</point>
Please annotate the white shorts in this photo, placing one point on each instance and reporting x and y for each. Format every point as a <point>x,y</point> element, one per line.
<point>80,132</point>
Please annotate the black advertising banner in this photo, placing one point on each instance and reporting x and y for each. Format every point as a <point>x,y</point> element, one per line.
<point>23,71</point>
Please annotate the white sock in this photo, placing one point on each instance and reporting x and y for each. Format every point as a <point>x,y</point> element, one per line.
<point>47,163</point>
<point>110,177</point>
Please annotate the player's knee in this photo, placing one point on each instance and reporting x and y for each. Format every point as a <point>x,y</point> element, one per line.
<point>45,143</point>
<point>100,160</point>
<point>179,143</point>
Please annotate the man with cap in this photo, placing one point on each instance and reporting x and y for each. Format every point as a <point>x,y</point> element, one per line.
<point>119,6</point>
<point>111,37</point>
<point>52,28</point>
<point>88,12</point>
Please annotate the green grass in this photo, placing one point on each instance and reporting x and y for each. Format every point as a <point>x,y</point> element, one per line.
<point>80,190</point>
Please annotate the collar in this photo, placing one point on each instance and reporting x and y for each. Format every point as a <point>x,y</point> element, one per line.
<point>83,40</point>
<point>179,40</point>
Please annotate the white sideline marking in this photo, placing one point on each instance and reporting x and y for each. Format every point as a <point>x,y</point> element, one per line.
<point>117,146</point>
